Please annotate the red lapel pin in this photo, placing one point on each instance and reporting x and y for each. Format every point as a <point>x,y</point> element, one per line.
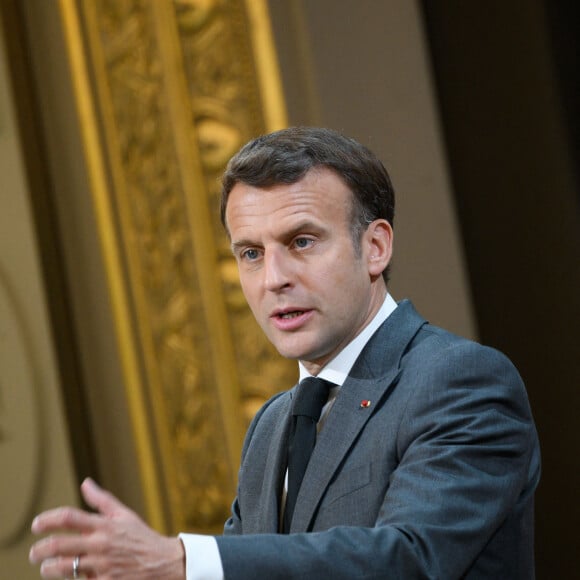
<point>365,404</point>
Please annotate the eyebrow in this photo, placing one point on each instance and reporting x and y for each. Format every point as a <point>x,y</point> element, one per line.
<point>301,227</point>
<point>241,244</point>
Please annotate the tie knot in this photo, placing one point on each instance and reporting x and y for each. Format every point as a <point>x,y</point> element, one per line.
<point>311,395</point>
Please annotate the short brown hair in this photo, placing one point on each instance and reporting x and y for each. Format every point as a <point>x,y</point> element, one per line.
<point>285,156</point>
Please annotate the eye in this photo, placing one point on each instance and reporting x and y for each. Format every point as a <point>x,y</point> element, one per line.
<point>303,243</point>
<point>250,254</point>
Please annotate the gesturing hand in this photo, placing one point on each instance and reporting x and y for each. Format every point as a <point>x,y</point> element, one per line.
<point>113,543</point>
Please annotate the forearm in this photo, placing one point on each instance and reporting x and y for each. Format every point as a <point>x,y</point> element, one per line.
<point>340,553</point>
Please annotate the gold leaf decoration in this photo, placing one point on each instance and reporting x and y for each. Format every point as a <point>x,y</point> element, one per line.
<point>176,92</point>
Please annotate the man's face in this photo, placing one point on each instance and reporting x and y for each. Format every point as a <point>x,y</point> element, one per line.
<point>307,287</point>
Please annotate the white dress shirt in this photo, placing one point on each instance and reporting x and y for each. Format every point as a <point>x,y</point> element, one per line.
<point>202,557</point>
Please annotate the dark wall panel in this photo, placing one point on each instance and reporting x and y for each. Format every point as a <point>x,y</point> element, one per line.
<point>504,86</point>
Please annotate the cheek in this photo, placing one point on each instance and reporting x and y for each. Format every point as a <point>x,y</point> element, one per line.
<point>348,290</point>
<point>342,276</point>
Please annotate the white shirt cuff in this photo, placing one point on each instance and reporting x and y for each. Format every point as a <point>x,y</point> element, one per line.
<point>202,557</point>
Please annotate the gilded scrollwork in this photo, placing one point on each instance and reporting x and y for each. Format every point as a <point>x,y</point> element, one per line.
<point>224,91</point>
<point>134,47</point>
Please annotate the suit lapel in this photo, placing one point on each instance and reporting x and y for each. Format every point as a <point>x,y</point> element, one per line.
<point>370,379</point>
<point>346,420</point>
<point>276,465</point>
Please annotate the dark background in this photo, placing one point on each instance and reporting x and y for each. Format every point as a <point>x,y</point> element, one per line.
<point>507,76</point>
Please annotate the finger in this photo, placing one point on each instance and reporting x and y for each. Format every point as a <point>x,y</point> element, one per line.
<point>63,568</point>
<point>57,567</point>
<point>57,546</point>
<point>92,567</point>
<point>100,499</point>
<point>65,518</point>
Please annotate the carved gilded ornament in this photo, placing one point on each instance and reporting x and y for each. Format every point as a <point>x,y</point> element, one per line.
<point>175,87</point>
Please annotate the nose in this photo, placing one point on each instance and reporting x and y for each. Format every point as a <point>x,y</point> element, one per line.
<point>277,270</point>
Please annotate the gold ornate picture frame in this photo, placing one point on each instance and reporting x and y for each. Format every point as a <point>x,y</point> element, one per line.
<point>166,92</point>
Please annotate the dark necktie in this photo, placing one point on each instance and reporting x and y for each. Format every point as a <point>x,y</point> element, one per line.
<point>311,395</point>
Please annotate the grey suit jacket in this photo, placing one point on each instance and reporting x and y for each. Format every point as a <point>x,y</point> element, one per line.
<point>434,479</point>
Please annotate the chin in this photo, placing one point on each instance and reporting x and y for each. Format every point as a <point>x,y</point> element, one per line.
<point>306,356</point>
<point>290,353</point>
<point>297,347</point>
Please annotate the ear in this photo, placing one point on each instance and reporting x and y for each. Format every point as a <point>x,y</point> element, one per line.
<point>378,240</point>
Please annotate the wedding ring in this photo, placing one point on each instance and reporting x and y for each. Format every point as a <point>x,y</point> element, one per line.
<point>76,563</point>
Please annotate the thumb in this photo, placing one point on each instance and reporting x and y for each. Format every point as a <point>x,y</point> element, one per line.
<point>100,499</point>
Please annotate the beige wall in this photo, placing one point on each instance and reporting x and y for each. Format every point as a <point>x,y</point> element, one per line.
<point>35,461</point>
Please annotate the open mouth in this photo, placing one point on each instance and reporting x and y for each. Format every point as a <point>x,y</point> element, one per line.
<point>289,315</point>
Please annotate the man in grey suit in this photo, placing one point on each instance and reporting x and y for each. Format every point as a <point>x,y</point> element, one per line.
<point>426,456</point>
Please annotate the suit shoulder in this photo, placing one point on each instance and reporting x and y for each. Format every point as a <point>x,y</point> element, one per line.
<point>439,344</point>
<point>448,369</point>
<point>438,359</point>
<point>271,405</point>
<point>268,413</point>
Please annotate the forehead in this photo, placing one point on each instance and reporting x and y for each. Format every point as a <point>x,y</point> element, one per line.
<point>320,195</point>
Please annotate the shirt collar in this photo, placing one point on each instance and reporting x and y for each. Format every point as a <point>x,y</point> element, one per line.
<point>338,368</point>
